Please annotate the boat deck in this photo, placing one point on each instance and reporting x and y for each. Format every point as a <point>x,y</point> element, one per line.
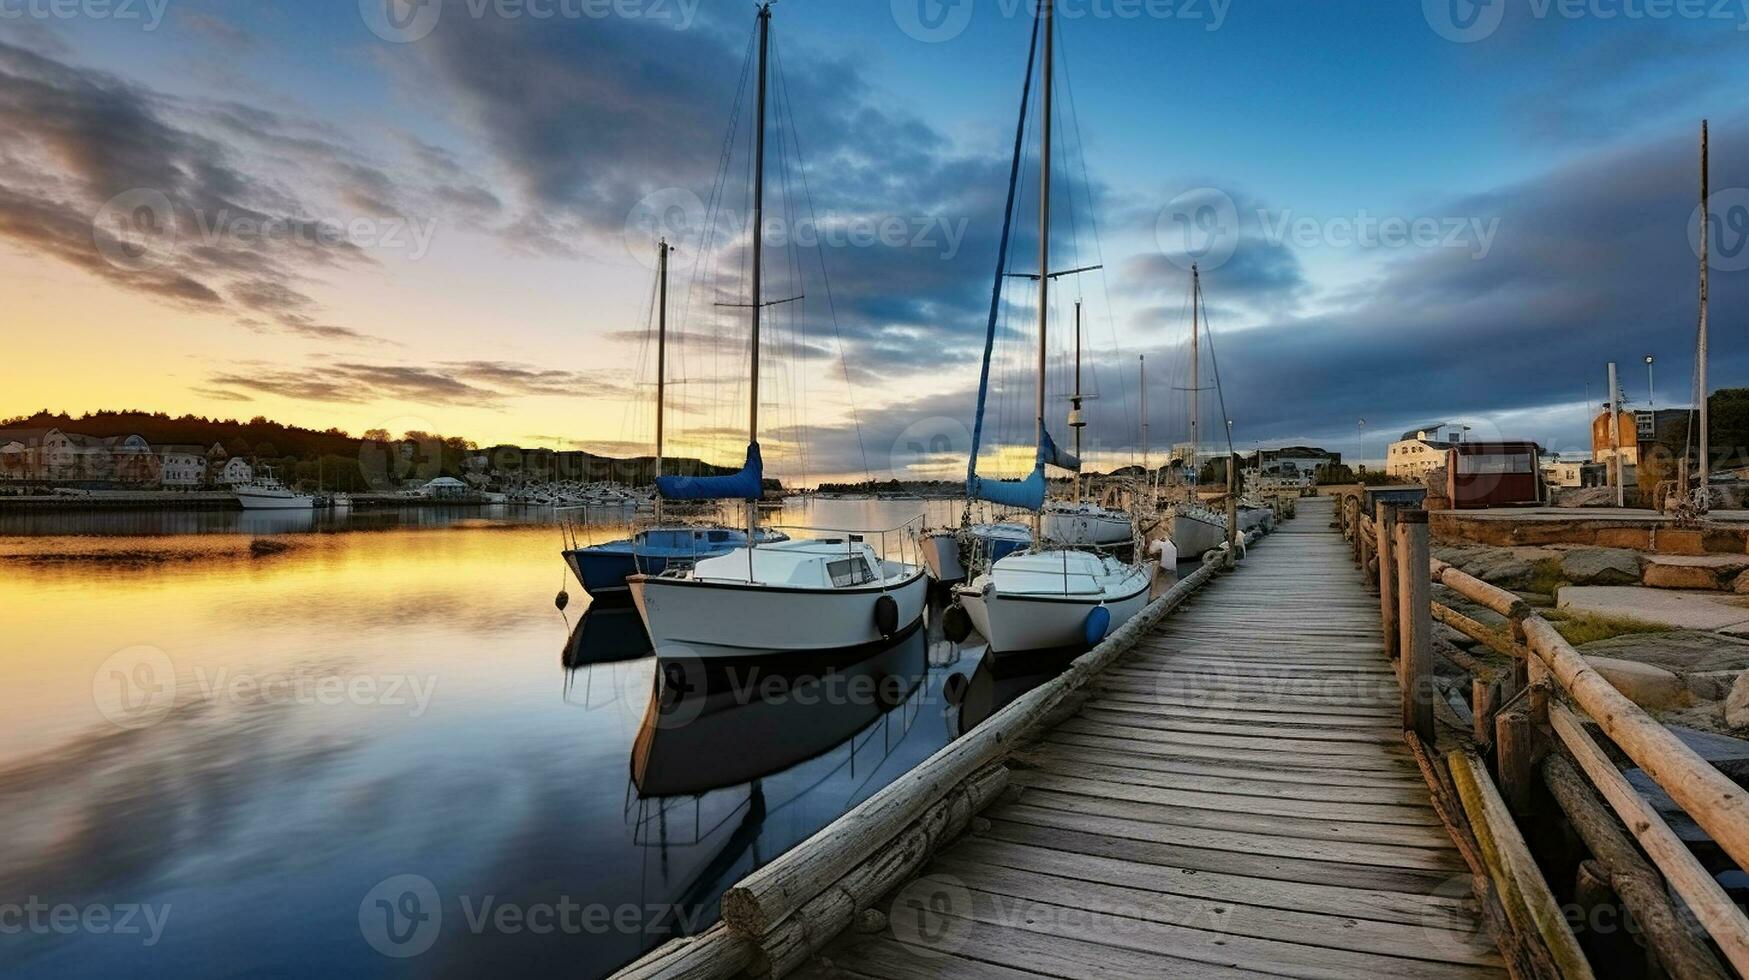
<point>1234,799</point>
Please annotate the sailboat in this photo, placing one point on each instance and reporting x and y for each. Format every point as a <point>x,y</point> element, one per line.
<point>834,592</point>
<point>602,569</point>
<point>1044,597</point>
<point>1081,522</point>
<point>1195,529</point>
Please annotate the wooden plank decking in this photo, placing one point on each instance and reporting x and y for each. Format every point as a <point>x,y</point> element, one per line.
<point>1234,799</point>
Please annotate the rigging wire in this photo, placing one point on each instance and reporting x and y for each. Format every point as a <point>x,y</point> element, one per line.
<point>826,282</point>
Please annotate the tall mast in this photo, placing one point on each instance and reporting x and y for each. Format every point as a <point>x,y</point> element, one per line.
<point>758,263</point>
<point>661,360</point>
<point>1076,420</point>
<point>1047,15</point>
<point>1147,467</point>
<point>1195,367</point>
<point>1701,354</point>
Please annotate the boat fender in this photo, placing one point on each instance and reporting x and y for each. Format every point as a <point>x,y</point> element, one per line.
<point>956,624</point>
<point>1097,625</point>
<point>562,600</point>
<point>886,616</point>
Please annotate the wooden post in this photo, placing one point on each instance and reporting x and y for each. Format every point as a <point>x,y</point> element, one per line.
<point>1515,758</point>
<point>1483,694</point>
<point>1415,579</point>
<point>1232,510</point>
<point>1387,528</point>
<point>1683,954</point>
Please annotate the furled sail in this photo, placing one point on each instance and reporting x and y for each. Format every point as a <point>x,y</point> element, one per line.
<point>1050,453</point>
<point>749,484</point>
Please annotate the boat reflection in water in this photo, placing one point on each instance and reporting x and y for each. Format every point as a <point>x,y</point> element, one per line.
<point>606,635</point>
<point>999,679</point>
<point>737,761</point>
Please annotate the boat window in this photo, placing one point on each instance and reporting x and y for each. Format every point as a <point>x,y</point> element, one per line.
<point>849,572</point>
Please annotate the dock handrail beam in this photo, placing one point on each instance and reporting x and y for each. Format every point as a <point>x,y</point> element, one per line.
<point>1528,720</point>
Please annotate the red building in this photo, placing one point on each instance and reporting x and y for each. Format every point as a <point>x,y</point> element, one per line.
<point>1493,474</point>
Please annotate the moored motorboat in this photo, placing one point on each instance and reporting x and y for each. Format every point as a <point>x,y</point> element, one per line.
<point>267,493</point>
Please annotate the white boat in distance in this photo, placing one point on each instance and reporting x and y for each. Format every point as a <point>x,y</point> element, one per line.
<point>834,592</point>
<point>1087,524</point>
<point>267,493</point>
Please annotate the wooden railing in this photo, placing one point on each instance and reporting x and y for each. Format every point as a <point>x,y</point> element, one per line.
<point>1535,726</point>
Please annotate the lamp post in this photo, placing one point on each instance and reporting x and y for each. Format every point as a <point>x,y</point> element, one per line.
<point>1360,445</point>
<point>1651,391</point>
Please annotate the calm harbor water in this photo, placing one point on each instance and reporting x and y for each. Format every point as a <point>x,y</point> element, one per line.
<point>385,740</point>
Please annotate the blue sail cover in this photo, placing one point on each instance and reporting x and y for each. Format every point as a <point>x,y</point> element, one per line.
<point>1049,453</point>
<point>1027,494</point>
<point>749,484</point>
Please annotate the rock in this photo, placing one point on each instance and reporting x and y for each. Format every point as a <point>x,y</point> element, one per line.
<point>1737,703</point>
<point>1661,576</point>
<point>1741,585</point>
<point>1694,652</point>
<point>1645,685</point>
<point>1587,497</point>
<point>1601,566</point>
<point>1711,685</point>
<point>869,922</point>
<point>1502,568</point>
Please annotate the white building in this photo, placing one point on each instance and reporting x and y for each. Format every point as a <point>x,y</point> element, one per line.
<point>233,472</point>
<point>182,467</point>
<point>1421,451</point>
<point>1565,474</point>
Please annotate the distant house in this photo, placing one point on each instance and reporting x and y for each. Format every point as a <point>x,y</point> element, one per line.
<point>132,461</point>
<point>1421,451</point>
<point>1564,474</point>
<point>182,467</point>
<point>1291,465</point>
<point>446,488</point>
<point>231,472</point>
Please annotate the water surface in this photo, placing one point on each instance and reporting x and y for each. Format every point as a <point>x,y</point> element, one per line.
<point>381,717</point>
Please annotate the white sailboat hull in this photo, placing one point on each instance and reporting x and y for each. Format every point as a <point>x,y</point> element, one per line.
<point>941,554</point>
<point>1195,535</point>
<point>1026,604</point>
<point>1092,527</point>
<point>706,613</point>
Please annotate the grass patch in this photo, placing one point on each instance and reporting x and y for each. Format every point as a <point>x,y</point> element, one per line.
<point>1546,577</point>
<point>1582,628</point>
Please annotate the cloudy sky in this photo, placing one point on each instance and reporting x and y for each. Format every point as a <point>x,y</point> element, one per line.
<point>440,216</point>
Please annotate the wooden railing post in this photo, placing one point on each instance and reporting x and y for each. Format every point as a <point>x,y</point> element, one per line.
<point>1415,605</point>
<point>1387,529</point>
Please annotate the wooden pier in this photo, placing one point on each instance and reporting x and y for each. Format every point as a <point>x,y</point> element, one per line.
<point>1263,774</point>
<point>1233,798</point>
